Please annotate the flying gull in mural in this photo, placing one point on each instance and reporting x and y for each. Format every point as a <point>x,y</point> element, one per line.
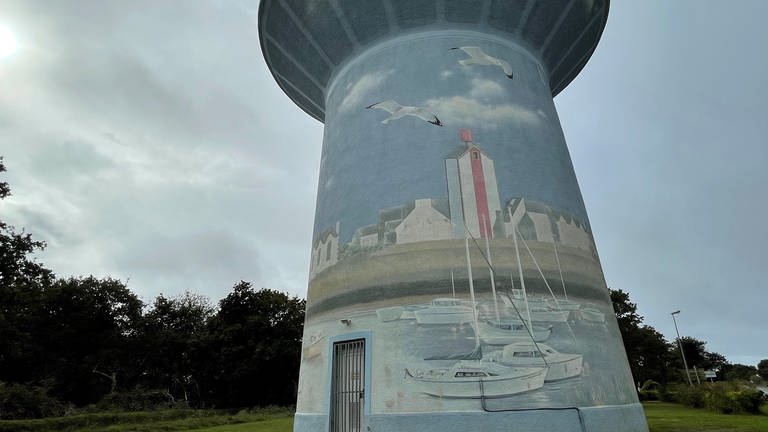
<point>478,57</point>
<point>399,111</point>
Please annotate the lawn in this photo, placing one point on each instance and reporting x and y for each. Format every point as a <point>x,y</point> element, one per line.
<point>662,417</point>
<point>669,417</point>
<point>283,424</point>
<point>263,420</point>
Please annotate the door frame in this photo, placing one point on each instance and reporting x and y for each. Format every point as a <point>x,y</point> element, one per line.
<point>366,335</point>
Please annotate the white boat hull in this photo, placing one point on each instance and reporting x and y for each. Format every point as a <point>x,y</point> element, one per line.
<point>448,315</point>
<point>563,304</point>
<point>559,365</point>
<point>552,316</point>
<point>493,335</point>
<point>566,368</point>
<point>519,380</point>
<point>592,315</point>
<point>387,314</point>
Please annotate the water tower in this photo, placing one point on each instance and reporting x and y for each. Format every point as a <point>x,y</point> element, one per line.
<point>454,282</point>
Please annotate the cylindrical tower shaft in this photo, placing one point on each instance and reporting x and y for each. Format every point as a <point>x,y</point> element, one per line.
<point>443,166</point>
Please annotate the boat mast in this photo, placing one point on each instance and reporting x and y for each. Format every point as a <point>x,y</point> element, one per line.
<point>453,285</point>
<point>538,267</point>
<point>562,281</point>
<point>490,270</point>
<point>520,271</point>
<point>472,291</point>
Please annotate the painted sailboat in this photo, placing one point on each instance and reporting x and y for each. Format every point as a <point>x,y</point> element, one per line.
<point>591,314</point>
<point>546,314</point>
<point>503,331</point>
<point>559,365</point>
<point>445,310</point>
<point>541,309</point>
<point>507,331</point>
<point>391,313</point>
<point>472,379</point>
<point>563,303</point>
<point>475,378</point>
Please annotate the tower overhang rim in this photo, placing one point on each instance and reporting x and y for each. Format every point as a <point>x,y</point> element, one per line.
<point>571,75</point>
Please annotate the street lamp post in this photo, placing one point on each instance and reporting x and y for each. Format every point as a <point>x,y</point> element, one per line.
<point>680,344</point>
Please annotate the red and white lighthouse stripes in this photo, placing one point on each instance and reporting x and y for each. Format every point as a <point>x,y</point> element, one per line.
<point>479,198</point>
<point>481,194</point>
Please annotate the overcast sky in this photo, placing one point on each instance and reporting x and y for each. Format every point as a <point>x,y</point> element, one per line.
<point>147,141</point>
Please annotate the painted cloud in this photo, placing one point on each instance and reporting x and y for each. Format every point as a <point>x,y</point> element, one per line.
<point>358,91</point>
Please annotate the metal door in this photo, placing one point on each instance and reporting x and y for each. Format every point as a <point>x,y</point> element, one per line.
<point>348,386</point>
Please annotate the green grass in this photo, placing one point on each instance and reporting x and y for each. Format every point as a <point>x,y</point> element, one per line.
<point>266,420</point>
<point>669,417</point>
<point>284,424</point>
<point>662,417</point>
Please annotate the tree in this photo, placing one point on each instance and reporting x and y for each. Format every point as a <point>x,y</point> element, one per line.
<point>172,333</point>
<point>22,283</point>
<point>738,372</point>
<point>762,369</point>
<point>714,361</point>
<point>697,355</point>
<point>626,311</point>
<point>255,346</point>
<point>647,350</point>
<point>87,324</point>
<point>16,266</point>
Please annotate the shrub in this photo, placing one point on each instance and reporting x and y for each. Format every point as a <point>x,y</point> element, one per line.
<point>19,401</point>
<point>747,400</point>
<point>724,397</point>
<point>717,398</point>
<point>650,391</point>
<point>692,396</point>
<point>138,399</point>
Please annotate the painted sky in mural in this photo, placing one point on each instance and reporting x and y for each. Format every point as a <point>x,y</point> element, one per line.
<point>404,157</point>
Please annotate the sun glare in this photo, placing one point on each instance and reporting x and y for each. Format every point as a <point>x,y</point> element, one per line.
<point>7,42</point>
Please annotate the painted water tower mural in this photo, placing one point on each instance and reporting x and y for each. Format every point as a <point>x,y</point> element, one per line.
<point>454,283</point>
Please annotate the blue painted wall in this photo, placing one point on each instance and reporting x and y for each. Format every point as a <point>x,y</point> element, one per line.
<point>367,166</point>
<point>397,188</point>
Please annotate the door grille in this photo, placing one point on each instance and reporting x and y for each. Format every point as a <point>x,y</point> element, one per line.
<point>348,386</point>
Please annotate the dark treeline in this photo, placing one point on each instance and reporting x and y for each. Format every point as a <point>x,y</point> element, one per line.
<point>653,358</point>
<point>67,343</point>
<point>73,342</point>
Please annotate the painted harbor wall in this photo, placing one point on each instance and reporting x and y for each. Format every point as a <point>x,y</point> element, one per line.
<point>451,232</point>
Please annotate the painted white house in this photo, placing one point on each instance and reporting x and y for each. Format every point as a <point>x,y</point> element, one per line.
<point>366,236</point>
<point>574,235</point>
<point>533,223</point>
<point>424,223</point>
<point>325,251</point>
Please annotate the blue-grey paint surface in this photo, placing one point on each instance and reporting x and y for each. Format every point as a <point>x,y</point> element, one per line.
<point>367,166</point>
<point>450,232</point>
<point>402,194</point>
<point>600,419</point>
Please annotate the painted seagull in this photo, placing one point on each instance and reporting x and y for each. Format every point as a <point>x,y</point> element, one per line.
<point>399,111</point>
<point>478,57</point>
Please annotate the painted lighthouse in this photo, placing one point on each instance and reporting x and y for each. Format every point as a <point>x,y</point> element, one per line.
<point>454,283</point>
<point>473,189</point>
